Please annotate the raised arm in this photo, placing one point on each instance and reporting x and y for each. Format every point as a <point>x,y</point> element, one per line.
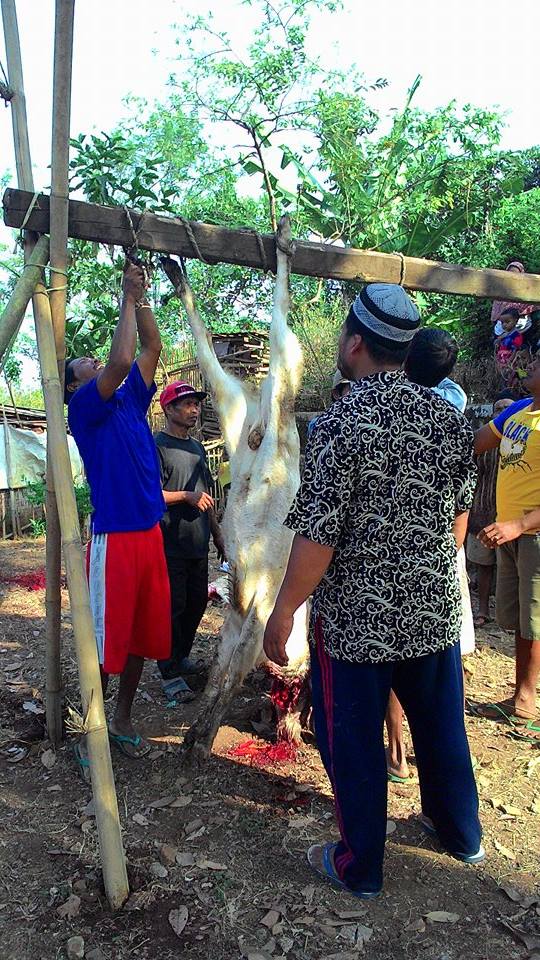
<point>124,341</point>
<point>150,341</point>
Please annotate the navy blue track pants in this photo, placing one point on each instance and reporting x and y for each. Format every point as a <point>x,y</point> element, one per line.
<point>349,706</point>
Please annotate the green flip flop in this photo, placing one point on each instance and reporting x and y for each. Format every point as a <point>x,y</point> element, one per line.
<point>83,763</point>
<point>522,732</point>
<point>498,711</point>
<point>124,743</point>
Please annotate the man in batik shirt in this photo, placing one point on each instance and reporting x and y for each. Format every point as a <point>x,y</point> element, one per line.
<point>388,481</point>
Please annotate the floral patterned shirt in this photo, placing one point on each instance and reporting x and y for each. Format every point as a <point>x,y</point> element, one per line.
<point>387,469</point>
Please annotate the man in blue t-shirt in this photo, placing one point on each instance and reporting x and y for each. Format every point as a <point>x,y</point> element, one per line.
<point>127,573</point>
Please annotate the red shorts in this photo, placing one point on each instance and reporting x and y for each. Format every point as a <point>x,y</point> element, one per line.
<point>129,596</point>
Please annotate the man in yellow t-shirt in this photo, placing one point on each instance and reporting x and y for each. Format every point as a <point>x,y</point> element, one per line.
<point>516,536</point>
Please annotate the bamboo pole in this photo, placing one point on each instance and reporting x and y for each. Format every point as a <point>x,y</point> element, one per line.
<point>15,309</point>
<point>15,519</point>
<point>53,542</point>
<point>63,57</point>
<point>107,818</point>
<point>18,99</point>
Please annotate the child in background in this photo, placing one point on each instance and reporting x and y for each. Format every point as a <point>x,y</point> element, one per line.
<point>511,340</point>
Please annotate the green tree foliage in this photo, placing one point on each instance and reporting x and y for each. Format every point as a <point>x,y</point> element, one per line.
<point>252,130</point>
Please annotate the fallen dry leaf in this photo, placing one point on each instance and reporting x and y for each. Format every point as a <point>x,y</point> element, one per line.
<point>362,934</point>
<point>441,916</point>
<point>75,948</point>
<point>185,859</point>
<point>48,759</point>
<point>211,865</point>
<point>193,825</point>
<point>535,806</point>
<point>531,766</point>
<point>183,801</point>
<point>158,870</point>
<point>351,914</point>
<point>140,819</point>
<point>416,926</point>
<point>270,919</point>
<point>530,941</point>
<point>167,854</point>
<point>162,802</point>
<point>346,955</point>
<point>308,893</point>
<point>390,827</point>
<point>69,909</point>
<point>504,851</point>
<point>137,901</point>
<point>517,897</point>
<point>178,919</point>
<point>198,833</point>
<point>15,754</point>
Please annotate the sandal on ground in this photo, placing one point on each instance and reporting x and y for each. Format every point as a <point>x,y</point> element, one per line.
<point>529,731</point>
<point>328,870</point>
<point>177,690</point>
<point>133,747</point>
<point>428,827</point>
<point>502,710</point>
<point>191,668</point>
<point>83,763</point>
<point>393,778</point>
<point>480,620</point>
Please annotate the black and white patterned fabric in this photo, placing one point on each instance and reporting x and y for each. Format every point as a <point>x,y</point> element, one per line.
<point>386,470</point>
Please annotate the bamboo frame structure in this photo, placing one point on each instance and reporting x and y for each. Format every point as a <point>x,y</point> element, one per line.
<point>245,247</point>
<point>61,113</point>
<point>15,309</point>
<point>107,818</point>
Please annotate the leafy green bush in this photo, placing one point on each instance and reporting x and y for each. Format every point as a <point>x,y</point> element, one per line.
<point>36,494</point>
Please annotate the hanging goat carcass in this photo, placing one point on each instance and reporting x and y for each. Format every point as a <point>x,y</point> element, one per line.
<point>261,439</point>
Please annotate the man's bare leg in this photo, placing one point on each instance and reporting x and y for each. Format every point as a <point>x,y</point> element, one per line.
<point>527,672</point>
<point>129,681</point>
<point>484,577</point>
<point>395,753</point>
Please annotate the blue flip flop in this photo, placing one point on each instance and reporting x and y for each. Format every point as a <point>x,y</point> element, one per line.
<point>328,871</point>
<point>177,690</point>
<point>83,763</point>
<point>428,827</point>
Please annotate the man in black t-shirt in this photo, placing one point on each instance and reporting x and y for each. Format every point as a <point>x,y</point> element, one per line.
<point>187,524</point>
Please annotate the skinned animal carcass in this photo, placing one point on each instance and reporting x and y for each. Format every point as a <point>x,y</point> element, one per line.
<point>261,438</point>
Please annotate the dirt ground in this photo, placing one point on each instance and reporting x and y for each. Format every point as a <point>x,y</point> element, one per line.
<point>228,844</point>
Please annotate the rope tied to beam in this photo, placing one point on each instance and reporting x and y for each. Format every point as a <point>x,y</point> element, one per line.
<point>193,240</point>
<point>27,215</point>
<point>132,252</point>
<point>402,268</point>
<point>262,252</point>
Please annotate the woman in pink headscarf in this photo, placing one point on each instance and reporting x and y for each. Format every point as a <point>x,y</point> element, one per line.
<point>500,306</point>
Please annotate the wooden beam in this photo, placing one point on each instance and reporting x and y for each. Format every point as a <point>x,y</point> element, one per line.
<point>244,247</point>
